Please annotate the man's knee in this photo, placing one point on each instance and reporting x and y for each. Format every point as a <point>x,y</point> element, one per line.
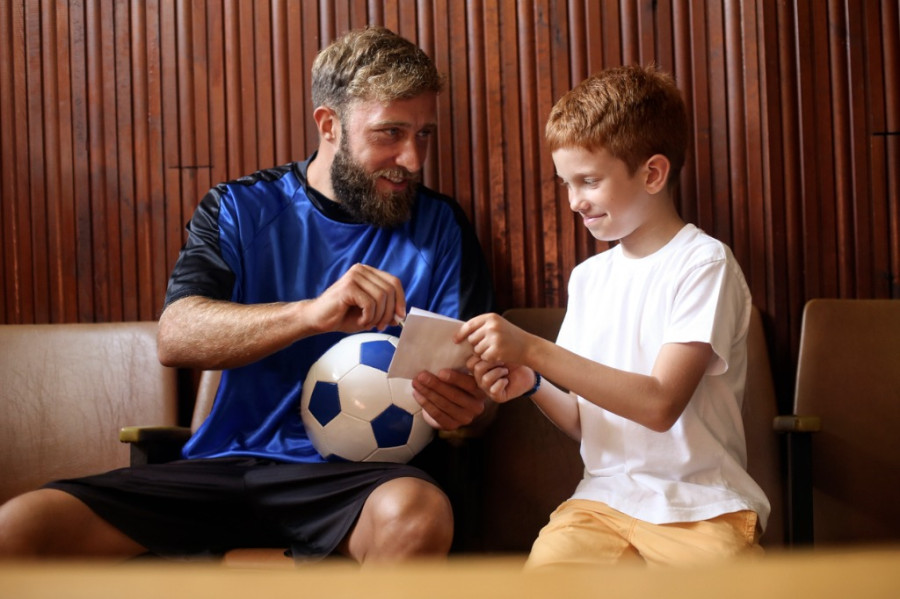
<point>423,512</point>
<point>48,522</point>
<point>23,523</point>
<point>404,518</point>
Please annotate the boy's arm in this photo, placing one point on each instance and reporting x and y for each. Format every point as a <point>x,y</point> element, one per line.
<point>502,383</point>
<point>655,400</point>
<point>560,407</point>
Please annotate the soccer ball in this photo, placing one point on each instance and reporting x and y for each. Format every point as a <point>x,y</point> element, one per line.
<point>353,412</point>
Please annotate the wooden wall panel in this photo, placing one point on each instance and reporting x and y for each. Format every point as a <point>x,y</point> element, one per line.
<point>117,115</point>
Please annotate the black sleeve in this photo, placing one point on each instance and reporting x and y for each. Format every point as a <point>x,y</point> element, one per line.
<point>200,268</point>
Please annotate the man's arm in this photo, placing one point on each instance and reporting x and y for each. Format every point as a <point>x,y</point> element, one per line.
<point>199,332</point>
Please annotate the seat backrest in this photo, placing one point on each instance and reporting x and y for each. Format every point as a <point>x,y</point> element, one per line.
<point>848,374</point>
<point>531,466</point>
<point>67,389</point>
<point>764,462</point>
<point>207,388</point>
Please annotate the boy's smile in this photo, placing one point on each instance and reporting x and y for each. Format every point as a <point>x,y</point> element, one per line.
<point>608,198</point>
<point>617,205</point>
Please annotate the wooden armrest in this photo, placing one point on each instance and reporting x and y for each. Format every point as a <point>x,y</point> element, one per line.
<point>797,424</point>
<point>152,434</point>
<point>154,444</point>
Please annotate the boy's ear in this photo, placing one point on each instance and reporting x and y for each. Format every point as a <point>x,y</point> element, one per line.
<point>658,167</point>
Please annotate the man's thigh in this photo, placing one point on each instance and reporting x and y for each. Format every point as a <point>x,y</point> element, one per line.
<point>207,507</point>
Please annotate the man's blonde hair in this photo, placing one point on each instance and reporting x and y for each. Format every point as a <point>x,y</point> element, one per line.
<point>633,112</point>
<point>373,63</point>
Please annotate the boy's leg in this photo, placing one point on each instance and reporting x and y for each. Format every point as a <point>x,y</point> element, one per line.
<point>582,533</point>
<point>691,543</point>
<point>52,523</point>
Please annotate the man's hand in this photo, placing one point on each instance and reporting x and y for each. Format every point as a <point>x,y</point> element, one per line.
<point>363,298</point>
<point>449,400</point>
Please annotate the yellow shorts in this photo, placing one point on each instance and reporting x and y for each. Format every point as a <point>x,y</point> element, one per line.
<point>582,532</point>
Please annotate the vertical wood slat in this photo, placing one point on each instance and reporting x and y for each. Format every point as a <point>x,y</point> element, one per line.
<point>891,55</point>
<point>548,208</point>
<point>263,85</point>
<point>124,196</point>
<point>117,115</point>
<point>85,262</point>
<point>777,177</point>
<point>171,152</point>
<point>531,225</point>
<point>37,164</point>
<point>143,210</point>
<point>877,213</point>
<point>281,112</point>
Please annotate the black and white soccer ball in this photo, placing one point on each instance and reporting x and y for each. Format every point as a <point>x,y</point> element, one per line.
<point>353,412</point>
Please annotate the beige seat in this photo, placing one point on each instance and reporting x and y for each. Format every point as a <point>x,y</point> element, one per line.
<point>528,466</point>
<point>66,391</point>
<point>531,467</point>
<point>845,479</point>
<point>760,407</point>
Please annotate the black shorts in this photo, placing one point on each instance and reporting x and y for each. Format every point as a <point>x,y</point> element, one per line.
<point>194,508</point>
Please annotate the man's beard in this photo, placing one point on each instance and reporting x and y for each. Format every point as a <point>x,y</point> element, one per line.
<point>355,190</point>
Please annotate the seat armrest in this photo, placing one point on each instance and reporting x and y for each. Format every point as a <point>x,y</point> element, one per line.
<point>154,444</point>
<point>797,424</point>
<point>798,431</point>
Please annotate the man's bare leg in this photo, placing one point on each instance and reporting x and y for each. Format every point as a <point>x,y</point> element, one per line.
<point>52,523</point>
<point>402,519</point>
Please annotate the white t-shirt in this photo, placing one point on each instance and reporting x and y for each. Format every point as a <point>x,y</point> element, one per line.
<point>620,313</point>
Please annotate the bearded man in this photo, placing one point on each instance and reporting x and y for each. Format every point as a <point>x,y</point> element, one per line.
<point>277,267</point>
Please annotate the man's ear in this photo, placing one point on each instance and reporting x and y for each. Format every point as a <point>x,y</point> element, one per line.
<point>327,123</point>
<point>658,167</point>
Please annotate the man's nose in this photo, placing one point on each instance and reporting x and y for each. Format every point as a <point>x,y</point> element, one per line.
<point>412,155</point>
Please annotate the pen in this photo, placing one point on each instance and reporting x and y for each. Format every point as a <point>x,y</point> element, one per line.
<point>399,321</point>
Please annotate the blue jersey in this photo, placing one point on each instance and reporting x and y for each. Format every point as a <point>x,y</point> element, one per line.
<point>270,238</point>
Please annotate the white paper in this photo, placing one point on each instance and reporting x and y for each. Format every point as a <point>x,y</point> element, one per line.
<point>426,343</point>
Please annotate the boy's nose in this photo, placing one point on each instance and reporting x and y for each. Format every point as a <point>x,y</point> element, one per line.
<point>576,202</point>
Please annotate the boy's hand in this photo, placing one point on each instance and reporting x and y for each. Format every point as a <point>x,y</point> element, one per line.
<point>500,381</point>
<point>494,339</point>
